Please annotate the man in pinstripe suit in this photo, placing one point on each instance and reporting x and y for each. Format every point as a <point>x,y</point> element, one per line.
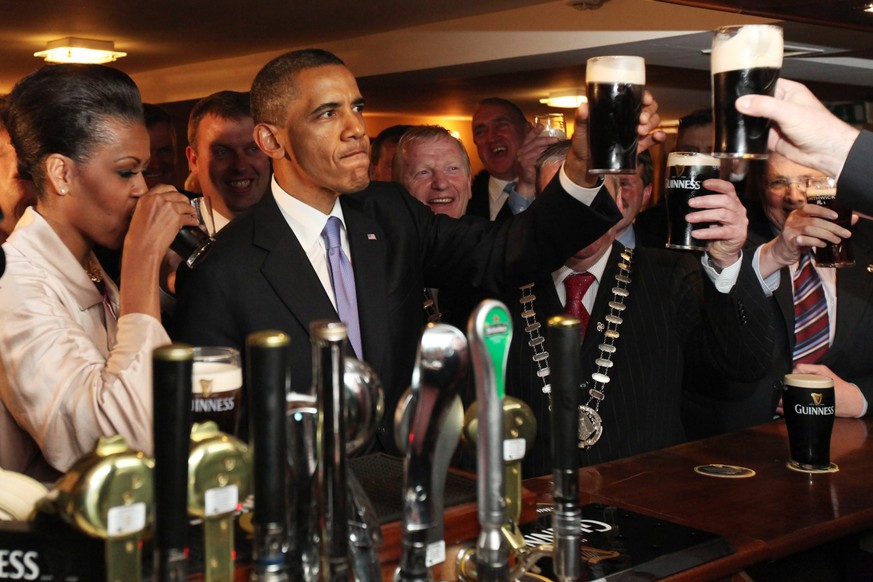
<point>676,309</point>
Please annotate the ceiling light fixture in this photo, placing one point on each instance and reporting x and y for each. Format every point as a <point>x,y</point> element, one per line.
<point>79,50</point>
<point>868,7</point>
<point>565,99</point>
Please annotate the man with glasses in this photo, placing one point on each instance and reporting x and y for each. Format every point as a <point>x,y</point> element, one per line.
<point>831,339</point>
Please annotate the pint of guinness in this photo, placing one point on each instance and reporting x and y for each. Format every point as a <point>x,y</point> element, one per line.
<point>686,172</point>
<point>745,60</point>
<point>217,387</point>
<point>615,99</point>
<point>808,404</point>
<point>822,191</point>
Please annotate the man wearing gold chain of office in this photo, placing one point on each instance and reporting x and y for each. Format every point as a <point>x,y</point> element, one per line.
<point>648,311</point>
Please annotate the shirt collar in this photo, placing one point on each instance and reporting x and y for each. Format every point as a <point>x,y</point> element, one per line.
<point>596,269</point>
<point>306,222</point>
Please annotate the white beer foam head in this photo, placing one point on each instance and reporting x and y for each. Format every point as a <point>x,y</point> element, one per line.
<point>691,159</point>
<point>616,69</point>
<point>224,377</point>
<point>746,47</point>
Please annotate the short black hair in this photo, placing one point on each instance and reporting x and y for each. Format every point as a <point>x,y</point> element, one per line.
<point>695,118</point>
<point>514,110</point>
<point>64,109</point>
<point>273,86</point>
<point>224,104</point>
<point>387,135</point>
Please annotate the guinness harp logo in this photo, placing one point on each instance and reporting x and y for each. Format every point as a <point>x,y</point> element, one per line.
<point>816,399</point>
<point>206,388</point>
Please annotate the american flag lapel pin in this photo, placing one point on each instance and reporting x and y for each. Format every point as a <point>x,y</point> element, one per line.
<point>371,236</point>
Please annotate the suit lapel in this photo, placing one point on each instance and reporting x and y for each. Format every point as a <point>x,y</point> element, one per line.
<point>369,261</point>
<point>854,297</point>
<point>287,268</point>
<point>784,295</point>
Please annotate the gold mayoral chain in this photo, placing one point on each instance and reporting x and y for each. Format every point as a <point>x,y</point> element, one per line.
<point>590,423</point>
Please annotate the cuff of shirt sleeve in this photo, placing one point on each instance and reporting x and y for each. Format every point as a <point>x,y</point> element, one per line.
<point>771,283</point>
<point>580,193</point>
<point>725,279</point>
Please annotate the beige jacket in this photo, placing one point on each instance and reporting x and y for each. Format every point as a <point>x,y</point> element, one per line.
<point>69,372</point>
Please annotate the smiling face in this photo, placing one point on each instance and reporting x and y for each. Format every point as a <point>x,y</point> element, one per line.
<point>498,135</point>
<point>323,143</point>
<point>105,186</point>
<point>782,191</point>
<point>435,172</point>
<point>232,171</point>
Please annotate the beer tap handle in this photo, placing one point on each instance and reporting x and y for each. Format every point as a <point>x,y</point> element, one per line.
<point>490,332</point>
<point>329,341</point>
<point>563,337</point>
<point>172,367</point>
<point>432,437</point>
<point>267,378</point>
<point>219,475</point>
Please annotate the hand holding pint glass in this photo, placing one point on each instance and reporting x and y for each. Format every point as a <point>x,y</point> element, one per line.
<point>809,408</point>
<point>745,60</point>
<point>217,387</point>
<point>686,172</point>
<point>615,86</point>
<point>822,191</point>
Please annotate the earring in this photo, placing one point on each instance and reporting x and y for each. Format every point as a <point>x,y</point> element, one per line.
<point>63,191</point>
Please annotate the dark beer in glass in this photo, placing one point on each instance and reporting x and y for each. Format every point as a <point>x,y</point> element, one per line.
<point>822,191</point>
<point>686,172</point>
<point>217,387</point>
<point>808,405</point>
<point>615,87</point>
<point>745,60</point>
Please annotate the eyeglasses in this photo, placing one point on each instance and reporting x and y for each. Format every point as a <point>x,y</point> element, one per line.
<point>782,185</point>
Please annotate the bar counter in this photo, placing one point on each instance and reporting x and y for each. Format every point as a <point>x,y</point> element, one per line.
<point>775,513</point>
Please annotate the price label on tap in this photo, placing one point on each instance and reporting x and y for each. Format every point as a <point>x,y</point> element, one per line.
<point>513,449</point>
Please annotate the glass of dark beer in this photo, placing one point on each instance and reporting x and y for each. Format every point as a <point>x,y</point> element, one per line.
<point>194,243</point>
<point>745,60</point>
<point>808,406</point>
<point>217,387</point>
<point>615,87</point>
<point>822,191</point>
<point>686,172</point>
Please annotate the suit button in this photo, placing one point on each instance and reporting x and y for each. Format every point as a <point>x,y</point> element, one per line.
<point>382,429</point>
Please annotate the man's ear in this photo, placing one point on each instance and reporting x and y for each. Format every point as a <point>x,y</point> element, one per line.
<point>647,196</point>
<point>59,171</point>
<point>267,138</point>
<point>191,154</point>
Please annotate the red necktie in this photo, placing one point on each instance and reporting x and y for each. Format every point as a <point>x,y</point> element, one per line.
<point>811,327</point>
<point>576,285</point>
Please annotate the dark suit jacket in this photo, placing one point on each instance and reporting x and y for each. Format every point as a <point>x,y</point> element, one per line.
<point>258,277</point>
<point>853,187</point>
<point>848,357</point>
<point>673,314</point>
<point>480,202</point>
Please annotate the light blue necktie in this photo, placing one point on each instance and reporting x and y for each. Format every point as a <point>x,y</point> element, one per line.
<point>342,278</point>
<point>516,202</point>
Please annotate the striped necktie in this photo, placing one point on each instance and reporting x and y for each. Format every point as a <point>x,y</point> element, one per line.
<point>811,327</point>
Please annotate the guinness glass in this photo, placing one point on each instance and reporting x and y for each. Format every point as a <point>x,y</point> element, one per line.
<point>745,60</point>
<point>822,191</point>
<point>686,172</point>
<point>194,243</point>
<point>217,387</point>
<point>808,405</point>
<point>615,99</point>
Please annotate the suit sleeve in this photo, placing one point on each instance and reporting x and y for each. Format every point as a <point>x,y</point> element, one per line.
<point>734,332</point>
<point>528,246</point>
<point>853,187</point>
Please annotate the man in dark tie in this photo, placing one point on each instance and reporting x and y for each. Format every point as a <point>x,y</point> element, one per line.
<point>645,313</point>
<point>824,316</point>
<point>269,269</point>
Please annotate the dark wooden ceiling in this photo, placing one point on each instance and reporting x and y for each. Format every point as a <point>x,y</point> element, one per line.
<point>842,13</point>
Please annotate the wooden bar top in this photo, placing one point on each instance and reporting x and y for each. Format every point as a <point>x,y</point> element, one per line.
<point>775,513</point>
